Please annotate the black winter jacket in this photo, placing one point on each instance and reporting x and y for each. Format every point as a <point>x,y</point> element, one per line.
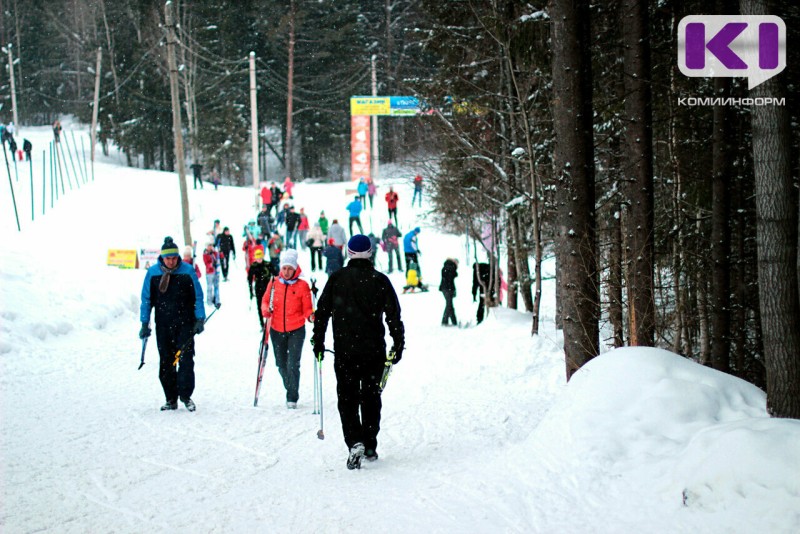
<point>358,297</point>
<point>260,272</point>
<point>226,244</point>
<point>449,274</point>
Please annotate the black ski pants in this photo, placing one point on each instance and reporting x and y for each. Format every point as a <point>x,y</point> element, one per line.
<point>316,258</point>
<point>288,346</point>
<point>449,310</point>
<point>225,261</point>
<point>357,386</point>
<point>175,382</point>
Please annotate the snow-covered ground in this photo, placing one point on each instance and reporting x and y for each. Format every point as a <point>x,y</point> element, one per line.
<point>480,432</point>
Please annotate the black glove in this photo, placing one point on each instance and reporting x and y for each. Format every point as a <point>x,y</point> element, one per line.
<point>145,331</point>
<point>199,326</point>
<point>398,354</point>
<point>251,295</point>
<point>319,349</point>
<point>217,305</point>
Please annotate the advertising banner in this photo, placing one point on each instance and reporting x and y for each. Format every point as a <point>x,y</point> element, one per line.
<point>148,257</point>
<point>359,147</point>
<point>124,259</point>
<point>369,105</point>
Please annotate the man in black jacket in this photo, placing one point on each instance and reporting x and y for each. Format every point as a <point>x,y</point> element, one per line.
<point>226,247</point>
<point>358,297</point>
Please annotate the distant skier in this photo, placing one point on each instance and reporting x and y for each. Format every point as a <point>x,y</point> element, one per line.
<point>448,288</point>
<point>391,244</point>
<point>333,257</point>
<point>211,261</point>
<point>197,170</point>
<point>260,273</point>
<point>411,246</point>
<point>359,299</point>
<point>391,202</point>
<point>226,248</point>
<point>336,232</point>
<point>172,289</point>
<point>481,275</point>
<point>417,190</point>
<point>355,208</point>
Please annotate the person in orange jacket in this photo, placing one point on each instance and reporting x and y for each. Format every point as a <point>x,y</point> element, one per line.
<point>287,305</point>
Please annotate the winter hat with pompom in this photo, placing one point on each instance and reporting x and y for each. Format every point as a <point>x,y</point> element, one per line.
<point>169,249</point>
<point>359,246</point>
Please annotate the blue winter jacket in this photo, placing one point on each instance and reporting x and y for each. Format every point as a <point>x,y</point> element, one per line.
<point>181,304</point>
<point>355,208</point>
<point>410,242</point>
<point>362,188</point>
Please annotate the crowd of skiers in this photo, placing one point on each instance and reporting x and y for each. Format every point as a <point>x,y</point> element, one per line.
<point>357,297</point>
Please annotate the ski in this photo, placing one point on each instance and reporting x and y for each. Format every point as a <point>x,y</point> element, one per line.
<point>387,370</point>
<point>263,351</point>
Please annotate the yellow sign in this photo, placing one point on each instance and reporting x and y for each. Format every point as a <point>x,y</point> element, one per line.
<point>124,259</point>
<point>370,105</point>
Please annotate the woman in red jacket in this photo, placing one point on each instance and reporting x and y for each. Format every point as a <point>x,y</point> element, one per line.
<point>287,305</point>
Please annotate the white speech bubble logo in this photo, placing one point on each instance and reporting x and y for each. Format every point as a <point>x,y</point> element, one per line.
<point>712,46</point>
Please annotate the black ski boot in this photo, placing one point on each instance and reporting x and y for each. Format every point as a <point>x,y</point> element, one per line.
<point>356,454</point>
<point>170,405</point>
<point>189,403</point>
<point>371,455</point>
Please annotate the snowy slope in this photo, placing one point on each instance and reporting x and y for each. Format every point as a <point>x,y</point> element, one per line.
<point>479,433</point>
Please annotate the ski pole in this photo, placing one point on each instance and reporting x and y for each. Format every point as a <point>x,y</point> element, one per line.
<point>186,344</point>
<point>320,432</point>
<point>316,389</point>
<point>316,364</point>
<point>144,346</point>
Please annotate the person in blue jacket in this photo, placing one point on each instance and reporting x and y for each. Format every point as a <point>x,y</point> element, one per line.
<point>362,191</point>
<point>411,248</point>
<point>172,288</point>
<point>355,208</point>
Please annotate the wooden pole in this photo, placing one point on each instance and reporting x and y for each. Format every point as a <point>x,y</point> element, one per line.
<point>96,104</point>
<point>176,120</point>
<point>254,126</point>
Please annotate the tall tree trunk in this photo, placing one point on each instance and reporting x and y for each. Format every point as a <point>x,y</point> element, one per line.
<point>615,276</point>
<point>574,169</point>
<point>290,96</point>
<point>639,156</point>
<point>776,239</point>
<point>702,302</point>
<point>720,232</point>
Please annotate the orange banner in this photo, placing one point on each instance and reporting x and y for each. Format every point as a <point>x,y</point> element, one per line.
<point>359,147</point>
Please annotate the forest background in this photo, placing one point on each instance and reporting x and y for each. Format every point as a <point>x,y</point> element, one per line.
<point>548,129</point>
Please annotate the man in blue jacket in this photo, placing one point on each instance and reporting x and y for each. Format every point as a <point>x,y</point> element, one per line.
<point>355,208</point>
<point>411,248</point>
<point>172,288</point>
